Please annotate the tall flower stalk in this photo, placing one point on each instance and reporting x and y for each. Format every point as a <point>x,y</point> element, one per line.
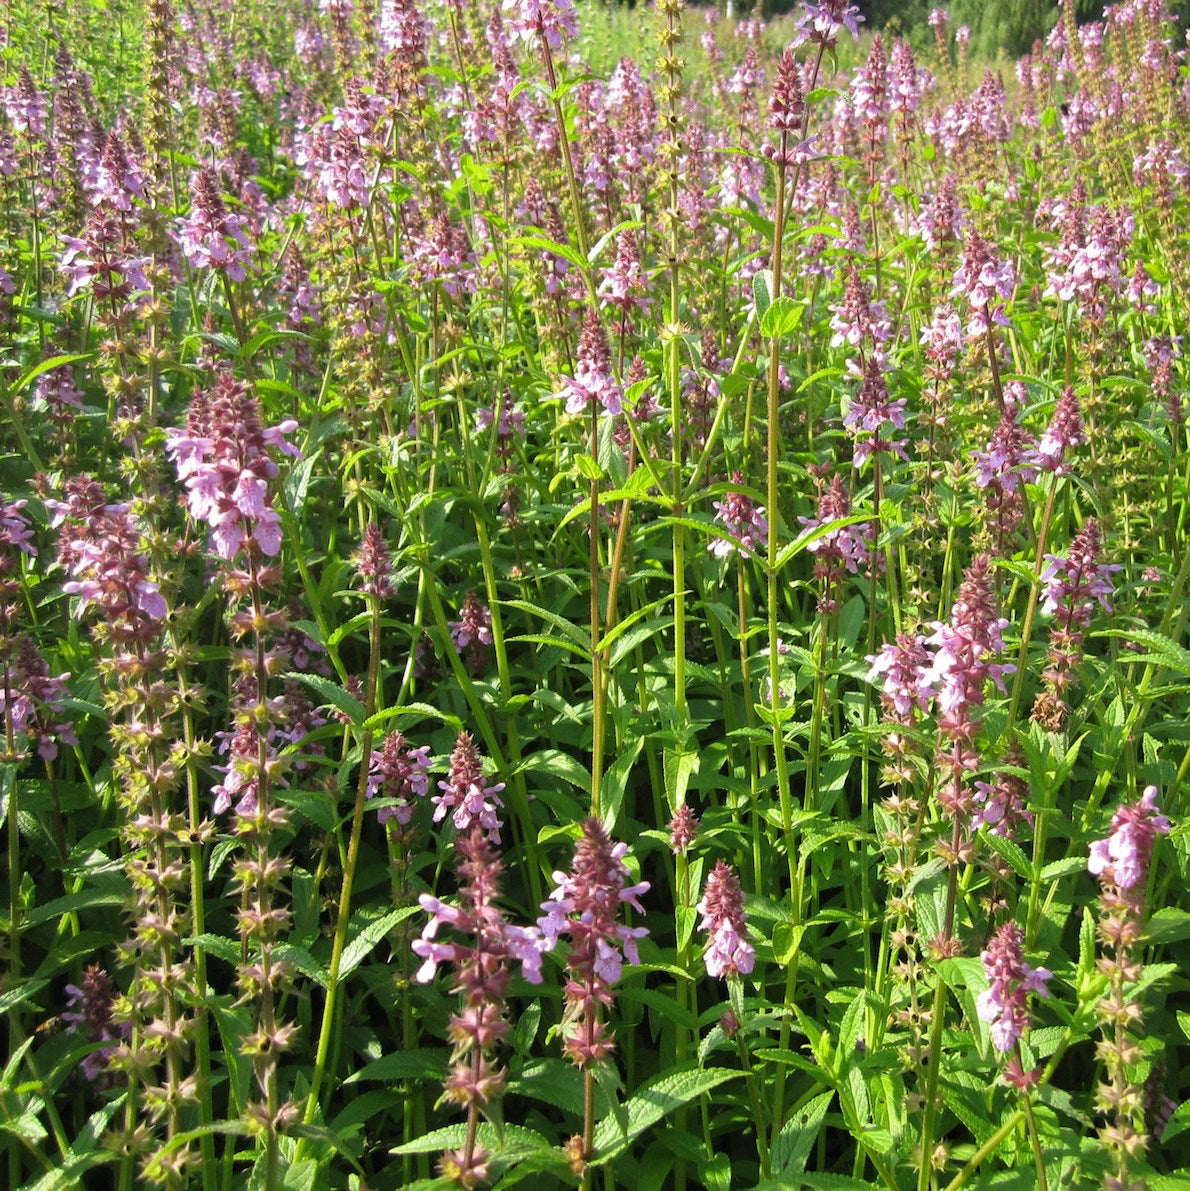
<point>224,460</point>
<point>584,907</point>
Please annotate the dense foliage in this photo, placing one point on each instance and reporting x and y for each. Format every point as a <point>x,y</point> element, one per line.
<point>571,620</point>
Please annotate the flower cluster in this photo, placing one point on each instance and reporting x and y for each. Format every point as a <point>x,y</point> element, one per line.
<point>593,380</point>
<point>374,564</point>
<point>1063,434</point>
<point>986,282</point>
<point>465,796</point>
<point>223,459</point>
<point>486,946</point>
<point>1003,1004</point>
<point>209,235</point>
<point>90,1012</point>
<point>726,953</point>
<point>1071,588</point>
<point>100,546</point>
<point>398,770</point>
<point>1121,862</point>
<point>472,632</point>
<point>839,551</point>
<point>585,907</point>
<point>1122,859</point>
<point>745,523</point>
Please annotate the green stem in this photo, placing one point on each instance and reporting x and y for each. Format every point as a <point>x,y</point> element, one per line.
<point>344,916</point>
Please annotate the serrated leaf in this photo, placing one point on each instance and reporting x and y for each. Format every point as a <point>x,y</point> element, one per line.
<point>1012,852</point>
<point>43,366</point>
<point>762,290</point>
<point>1162,651</point>
<point>509,1141</point>
<point>227,950</point>
<point>1063,868</point>
<point>653,1102</point>
<point>782,317</point>
<point>333,694</point>
<point>798,1135</point>
<point>360,947</point>
<point>419,1064</point>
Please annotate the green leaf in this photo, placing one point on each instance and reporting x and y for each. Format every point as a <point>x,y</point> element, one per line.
<point>1161,650</point>
<point>47,366</point>
<point>302,961</point>
<point>781,318</point>
<point>792,1147</point>
<point>510,1141</point>
<point>362,945</point>
<point>762,291</point>
<point>84,900</point>
<point>227,950</point>
<point>556,763</point>
<point>547,245</point>
<point>23,991</point>
<point>790,549</point>
<point>615,781</point>
<point>716,1174</point>
<point>1063,868</point>
<point>423,1064</point>
<point>332,693</point>
<point>552,1082</point>
<point>1012,852</point>
<point>680,767</point>
<point>653,1102</point>
<point>588,468</point>
<point>27,1127</point>
<point>84,1153</point>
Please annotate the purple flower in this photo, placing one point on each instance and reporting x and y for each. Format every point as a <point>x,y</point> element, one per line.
<point>374,564</point>
<point>961,650</point>
<point>485,947</point>
<point>1064,432</point>
<point>35,700</point>
<point>722,908</point>
<point>986,282</point>
<point>25,105</point>
<point>898,667</point>
<point>209,236</point>
<point>512,420</point>
<point>821,24</point>
<point>442,255</point>
<point>100,546</point>
<point>551,20</point>
<point>745,523</point>
<point>90,1012</point>
<point>1003,802</point>
<point>839,551</point>
<point>683,829</point>
<point>871,410</point>
<point>593,380</point>
<point>1005,464</point>
<point>584,906</point>
<point>223,460</point>
<point>1003,1005</point>
<point>241,774</point>
<point>118,179</point>
<point>14,528</point>
<point>624,284</point>
<point>398,770</point>
<point>1079,579</point>
<point>465,795</point>
<point>1122,859</point>
<point>858,321</point>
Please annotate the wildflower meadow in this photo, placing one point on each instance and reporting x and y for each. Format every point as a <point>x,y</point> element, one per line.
<point>592,597</point>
